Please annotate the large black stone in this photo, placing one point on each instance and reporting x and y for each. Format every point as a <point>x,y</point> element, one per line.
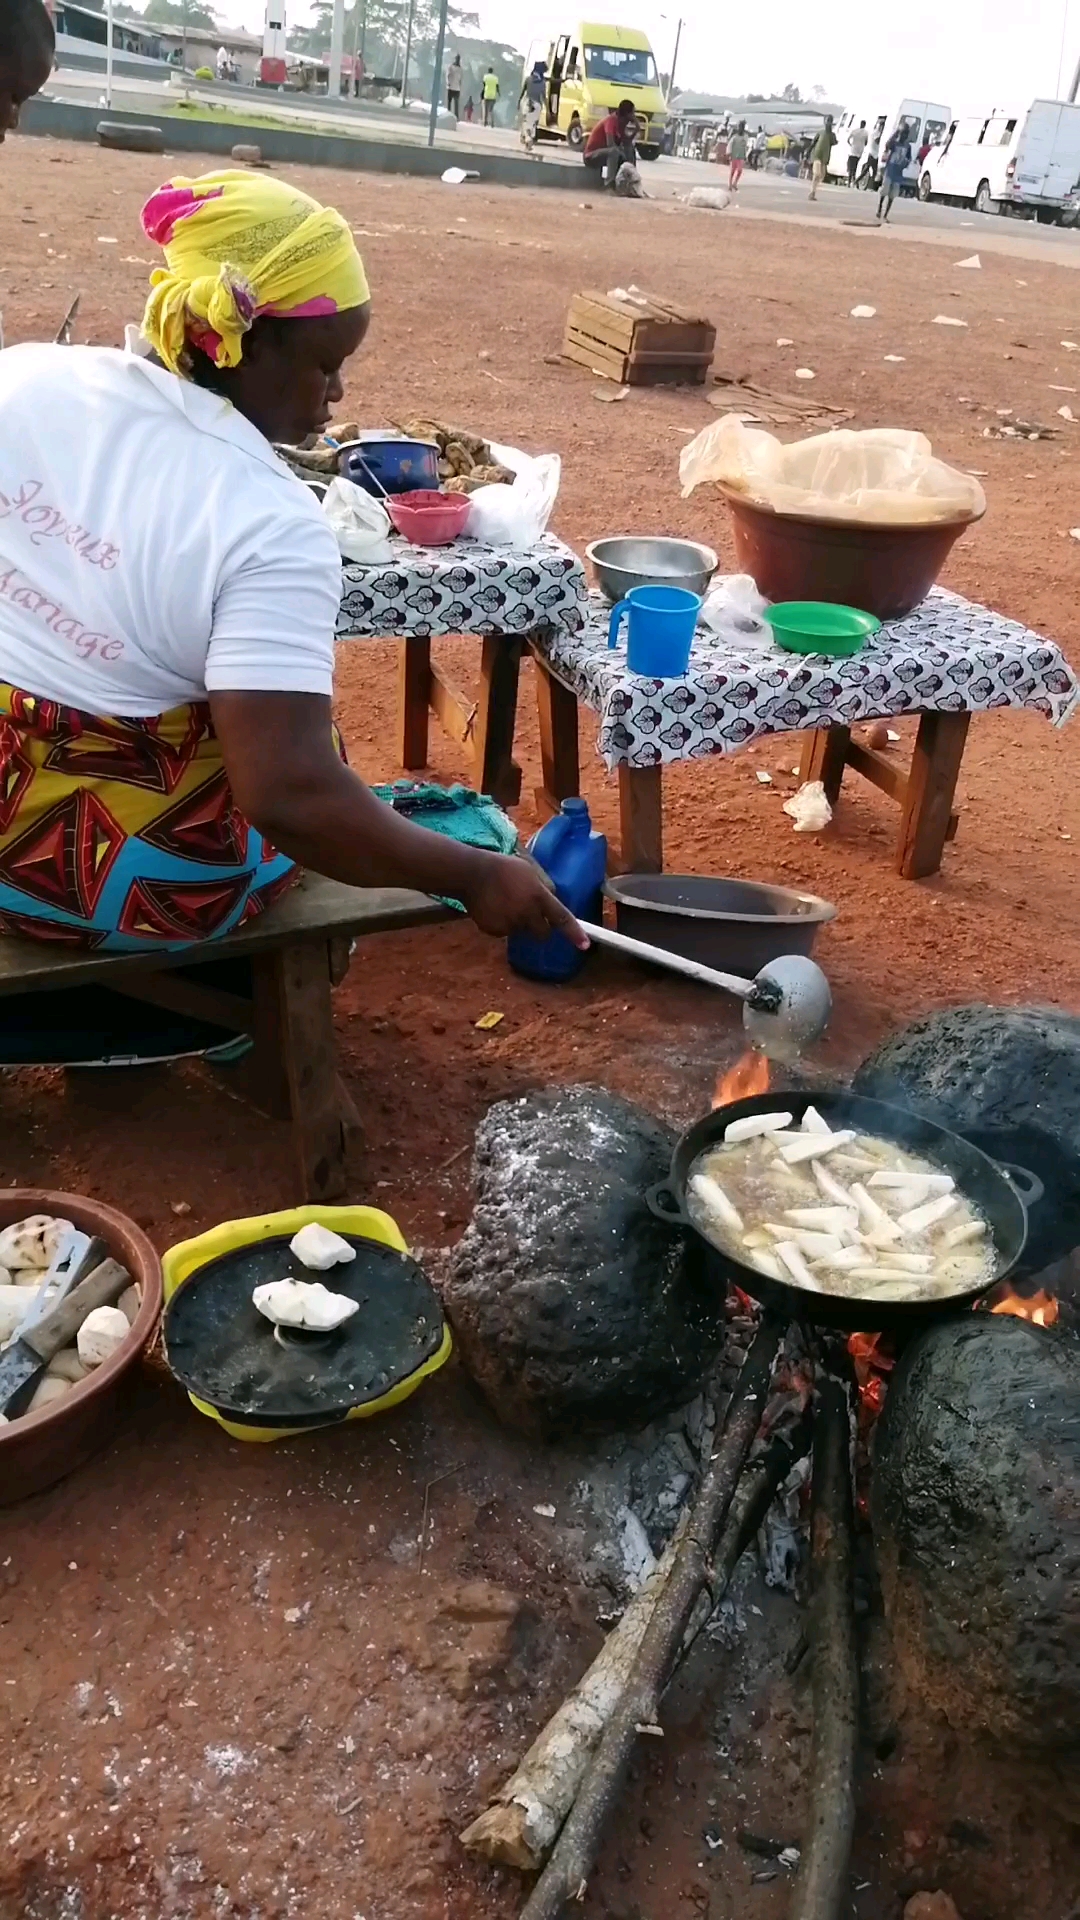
<point>572,1306</point>
<point>1009,1079</point>
<point>975,1501</point>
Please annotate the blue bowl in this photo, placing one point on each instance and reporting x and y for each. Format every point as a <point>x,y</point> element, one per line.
<point>392,463</point>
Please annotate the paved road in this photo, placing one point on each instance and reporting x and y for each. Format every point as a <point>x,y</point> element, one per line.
<point>771,195</point>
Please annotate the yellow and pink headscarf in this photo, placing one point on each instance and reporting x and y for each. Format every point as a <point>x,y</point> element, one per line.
<point>238,245</point>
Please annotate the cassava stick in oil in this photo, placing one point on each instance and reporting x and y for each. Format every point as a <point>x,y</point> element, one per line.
<point>521,1826</point>
<point>567,1872</point>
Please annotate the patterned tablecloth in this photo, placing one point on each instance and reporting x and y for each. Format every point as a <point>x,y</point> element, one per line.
<point>464,588</point>
<point>949,656</point>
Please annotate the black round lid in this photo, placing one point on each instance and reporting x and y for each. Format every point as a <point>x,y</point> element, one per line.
<point>223,1350</point>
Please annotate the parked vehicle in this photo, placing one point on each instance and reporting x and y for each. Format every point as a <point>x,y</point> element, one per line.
<point>926,120</point>
<point>590,68</point>
<point>1008,161</point>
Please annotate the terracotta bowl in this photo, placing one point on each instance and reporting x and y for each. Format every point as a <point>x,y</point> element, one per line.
<point>883,570</point>
<point>43,1447</point>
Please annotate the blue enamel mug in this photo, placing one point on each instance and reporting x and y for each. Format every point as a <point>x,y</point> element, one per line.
<point>661,623</point>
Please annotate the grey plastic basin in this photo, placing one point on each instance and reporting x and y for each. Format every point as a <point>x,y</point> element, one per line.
<point>737,925</point>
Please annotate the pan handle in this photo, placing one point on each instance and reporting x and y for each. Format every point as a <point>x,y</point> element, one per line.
<point>664,1204</point>
<point>1029,1188</point>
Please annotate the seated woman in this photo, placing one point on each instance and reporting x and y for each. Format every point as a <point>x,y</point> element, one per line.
<point>168,592</point>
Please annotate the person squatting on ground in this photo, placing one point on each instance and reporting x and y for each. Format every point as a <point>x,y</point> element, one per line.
<point>612,144</point>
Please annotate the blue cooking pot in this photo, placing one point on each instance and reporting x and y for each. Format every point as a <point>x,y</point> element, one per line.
<point>389,462</point>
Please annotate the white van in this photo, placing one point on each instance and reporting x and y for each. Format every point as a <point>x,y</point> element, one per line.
<point>926,120</point>
<point>1010,162</point>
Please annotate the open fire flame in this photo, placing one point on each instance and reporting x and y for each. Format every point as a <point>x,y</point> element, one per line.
<point>748,1077</point>
<point>1040,1307</point>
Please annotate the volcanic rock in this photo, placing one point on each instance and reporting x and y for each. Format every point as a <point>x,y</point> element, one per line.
<point>975,1501</point>
<point>1007,1078</point>
<point>573,1307</point>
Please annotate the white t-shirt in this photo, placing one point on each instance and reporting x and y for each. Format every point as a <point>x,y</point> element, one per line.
<point>153,548</point>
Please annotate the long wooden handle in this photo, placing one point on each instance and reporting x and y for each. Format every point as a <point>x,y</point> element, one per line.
<point>660,957</point>
<point>59,1328</point>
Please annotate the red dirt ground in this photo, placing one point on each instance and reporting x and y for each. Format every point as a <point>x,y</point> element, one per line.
<point>178,1745</point>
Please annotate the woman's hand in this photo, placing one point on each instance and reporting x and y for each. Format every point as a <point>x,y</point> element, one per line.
<point>509,895</point>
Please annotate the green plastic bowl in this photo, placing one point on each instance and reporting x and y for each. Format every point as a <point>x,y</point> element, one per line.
<point>816,626</point>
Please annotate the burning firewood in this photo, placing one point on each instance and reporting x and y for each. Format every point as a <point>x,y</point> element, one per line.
<point>565,1876</point>
<point>521,1826</point>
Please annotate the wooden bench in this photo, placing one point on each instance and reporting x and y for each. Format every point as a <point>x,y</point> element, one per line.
<point>299,949</point>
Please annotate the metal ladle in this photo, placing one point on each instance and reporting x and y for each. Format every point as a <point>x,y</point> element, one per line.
<point>786,1006</point>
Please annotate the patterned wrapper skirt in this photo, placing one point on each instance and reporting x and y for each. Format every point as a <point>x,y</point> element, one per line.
<point>121,834</point>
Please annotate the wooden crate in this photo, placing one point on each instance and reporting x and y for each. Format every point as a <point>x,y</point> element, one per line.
<point>638,340</point>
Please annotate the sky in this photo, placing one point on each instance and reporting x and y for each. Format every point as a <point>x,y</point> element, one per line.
<point>965,54</point>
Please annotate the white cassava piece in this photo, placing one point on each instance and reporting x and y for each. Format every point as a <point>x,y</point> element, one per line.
<point>304,1303</point>
<point>101,1333</point>
<point>319,1248</point>
<point>48,1389</point>
<point>32,1243</point>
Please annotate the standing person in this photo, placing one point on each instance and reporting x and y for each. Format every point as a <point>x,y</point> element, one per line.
<point>820,155</point>
<point>611,144</point>
<point>555,92</point>
<point>453,87</point>
<point>222,63</point>
<point>531,103</point>
<point>166,665</point>
<point>897,162</point>
<point>27,49</point>
<point>736,152</point>
<point>470,109</point>
<point>489,93</point>
<point>759,149</point>
<point>869,169</point>
<point>857,144</point>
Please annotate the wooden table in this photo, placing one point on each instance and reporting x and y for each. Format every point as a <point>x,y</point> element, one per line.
<point>299,949</point>
<point>503,595</point>
<point>944,662</point>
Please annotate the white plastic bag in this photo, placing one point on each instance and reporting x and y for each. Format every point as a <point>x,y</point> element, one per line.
<point>809,808</point>
<point>733,607</point>
<point>515,516</point>
<point>884,476</point>
<point>360,522</point>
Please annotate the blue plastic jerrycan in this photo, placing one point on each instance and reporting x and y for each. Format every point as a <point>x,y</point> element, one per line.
<point>575,859</point>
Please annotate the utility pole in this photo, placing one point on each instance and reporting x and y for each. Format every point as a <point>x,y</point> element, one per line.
<point>1075,88</point>
<point>674,62</point>
<point>436,80</point>
<point>337,44</point>
<point>408,50</point>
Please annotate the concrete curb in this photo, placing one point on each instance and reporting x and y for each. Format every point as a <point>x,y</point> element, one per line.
<point>67,120</point>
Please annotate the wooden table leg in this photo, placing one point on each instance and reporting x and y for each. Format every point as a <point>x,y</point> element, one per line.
<point>927,810</point>
<point>641,819</point>
<point>558,713</point>
<point>414,693</point>
<point>294,1023</point>
<point>824,757</point>
<point>496,771</point>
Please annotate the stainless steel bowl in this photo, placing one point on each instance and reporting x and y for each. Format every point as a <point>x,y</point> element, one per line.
<point>633,561</point>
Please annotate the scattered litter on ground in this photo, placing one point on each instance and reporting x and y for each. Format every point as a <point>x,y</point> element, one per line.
<point>809,808</point>
<point>545,1512</point>
<point>609,395</point>
<point>947,320</point>
<point>783,341</point>
<point>863,313</point>
<point>1066,413</point>
<point>455,176</point>
<point>1074,533</point>
<point>1071,346</point>
<point>489,1020</point>
<point>805,373</point>
<point>896,358</point>
<point>765,778</point>
<point>770,407</point>
<point>971,261</point>
<point>107,240</point>
<point>713,199</point>
<point>1054,389</point>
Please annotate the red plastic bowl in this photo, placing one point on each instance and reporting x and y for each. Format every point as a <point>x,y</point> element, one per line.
<point>430,519</point>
